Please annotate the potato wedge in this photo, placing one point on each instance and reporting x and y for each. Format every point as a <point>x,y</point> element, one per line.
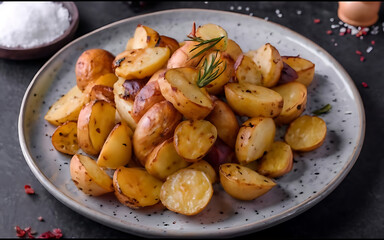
<point>306,133</point>
<point>140,63</point>
<point>148,96</point>
<point>144,37</point>
<point>88,177</point>
<point>101,92</point>
<point>136,188</point>
<point>225,121</point>
<point>233,49</point>
<point>164,160</point>
<point>268,58</point>
<point>168,42</point>
<point>246,71</point>
<point>187,191</point>
<point>194,138</point>
<point>96,120</point>
<point>156,125</point>
<point>92,64</point>
<point>304,68</point>
<point>212,31</point>
<point>253,101</point>
<point>243,183</point>
<point>67,108</point>
<point>117,149</point>
<point>64,138</point>
<point>295,101</point>
<point>179,87</point>
<point>205,167</point>
<point>254,138</point>
<point>277,162</point>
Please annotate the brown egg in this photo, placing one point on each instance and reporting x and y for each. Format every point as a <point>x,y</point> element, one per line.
<point>362,14</point>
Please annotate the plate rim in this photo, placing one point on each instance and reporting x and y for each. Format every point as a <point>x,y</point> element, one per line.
<point>140,230</point>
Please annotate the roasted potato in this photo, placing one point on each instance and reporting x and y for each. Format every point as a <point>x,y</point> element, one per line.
<point>88,177</point>
<point>64,138</point>
<point>96,120</point>
<point>101,92</point>
<point>205,167</point>
<point>136,188</point>
<point>277,161</point>
<point>92,64</point>
<point>194,138</point>
<point>168,42</point>
<point>179,87</point>
<point>254,138</point>
<point>295,101</point>
<point>144,37</point>
<point>67,108</point>
<point>306,133</point>
<point>211,31</point>
<point>233,49</point>
<point>220,153</point>
<point>156,125</point>
<point>225,121</point>
<point>187,191</point>
<point>304,68</point>
<point>253,101</point>
<point>140,63</point>
<point>243,183</point>
<point>164,160</point>
<point>117,149</point>
<point>268,58</point>
<point>246,71</point>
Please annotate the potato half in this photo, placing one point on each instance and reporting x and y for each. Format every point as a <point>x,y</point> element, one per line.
<point>253,101</point>
<point>136,188</point>
<point>64,138</point>
<point>205,167</point>
<point>247,71</point>
<point>179,87</point>
<point>233,49</point>
<point>124,105</point>
<point>210,31</point>
<point>96,120</point>
<point>144,37</point>
<point>187,191</point>
<point>117,149</point>
<point>295,101</point>
<point>254,138</point>
<point>243,183</point>
<point>306,133</point>
<point>88,177</point>
<point>304,68</point>
<point>194,138</point>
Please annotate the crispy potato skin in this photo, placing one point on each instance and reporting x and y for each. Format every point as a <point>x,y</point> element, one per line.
<point>156,125</point>
<point>92,64</point>
<point>64,139</point>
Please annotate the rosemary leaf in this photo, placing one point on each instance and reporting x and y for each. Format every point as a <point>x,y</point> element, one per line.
<point>209,72</point>
<point>210,44</point>
<point>323,110</point>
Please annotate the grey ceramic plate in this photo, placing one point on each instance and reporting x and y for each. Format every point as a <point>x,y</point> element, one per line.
<point>314,175</point>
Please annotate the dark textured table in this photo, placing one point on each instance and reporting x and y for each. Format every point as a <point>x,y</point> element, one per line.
<point>353,210</point>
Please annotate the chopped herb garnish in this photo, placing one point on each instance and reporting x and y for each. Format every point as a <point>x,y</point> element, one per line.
<point>323,110</point>
<point>210,72</point>
<point>210,44</point>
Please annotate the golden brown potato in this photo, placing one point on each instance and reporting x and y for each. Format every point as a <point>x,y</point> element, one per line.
<point>92,64</point>
<point>205,167</point>
<point>164,160</point>
<point>117,149</point>
<point>306,133</point>
<point>277,161</point>
<point>156,125</point>
<point>64,138</point>
<point>194,138</point>
<point>96,120</point>
<point>144,37</point>
<point>179,87</point>
<point>304,68</point>
<point>67,108</point>
<point>169,42</point>
<point>187,191</point>
<point>88,177</point>
<point>269,60</point>
<point>295,101</point>
<point>225,121</point>
<point>243,183</point>
<point>184,56</point>
<point>140,63</point>
<point>136,188</point>
<point>101,92</point>
<point>254,138</point>
<point>246,71</point>
<point>210,31</point>
<point>233,49</point>
<point>253,101</point>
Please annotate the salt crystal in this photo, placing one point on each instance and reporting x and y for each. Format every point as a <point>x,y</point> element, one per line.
<point>239,7</point>
<point>335,26</point>
<point>266,18</point>
<point>343,30</point>
<point>251,14</point>
<point>331,19</point>
<point>335,44</point>
<point>369,49</point>
<point>280,15</point>
<point>247,9</point>
<point>30,24</point>
<point>231,8</point>
<point>341,23</point>
<point>299,12</point>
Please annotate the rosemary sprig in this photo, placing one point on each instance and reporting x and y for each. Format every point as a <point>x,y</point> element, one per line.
<point>210,72</point>
<point>210,44</point>
<point>322,110</point>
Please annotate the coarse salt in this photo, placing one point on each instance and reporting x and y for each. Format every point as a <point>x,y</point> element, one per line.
<point>31,24</point>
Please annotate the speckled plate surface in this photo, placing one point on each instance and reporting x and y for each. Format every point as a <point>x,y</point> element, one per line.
<point>314,175</point>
